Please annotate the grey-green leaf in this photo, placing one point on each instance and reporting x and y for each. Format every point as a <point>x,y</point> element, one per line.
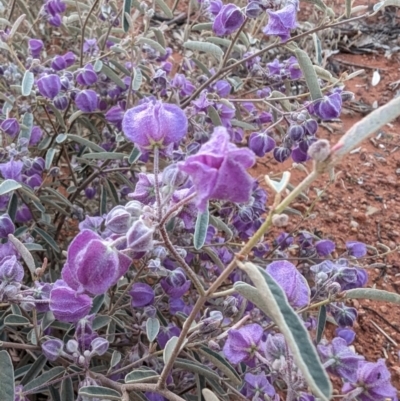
<point>113,76</point>
<point>165,8</point>
<point>47,238</point>
<point>321,323</point>
<point>67,390</point>
<point>49,158</point>
<point>152,328</point>
<point>209,395</point>
<point>169,347</point>
<point>127,9</point>
<point>25,254</point>
<point>141,375</point>
<point>309,74</point>
<point>9,186</point>
<point>371,293</point>
<point>200,231</point>
<point>271,299</point>
<point>38,384</point>
<point>209,48</point>
<point>100,392</point>
<point>6,377</point>
<point>196,367</point>
<point>27,83</point>
<point>153,44</point>
<point>104,156</point>
<point>137,79</point>
<point>15,320</point>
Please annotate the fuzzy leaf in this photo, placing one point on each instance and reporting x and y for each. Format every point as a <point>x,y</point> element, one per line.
<point>15,320</point>
<point>165,8</point>
<point>27,83</point>
<point>209,48</point>
<point>309,74</point>
<point>6,377</point>
<point>321,323</point>
<point>141,375</point>
<point>153,44</point>
<point>99,392</point>
<point>25,254</point>
<point>209,395</point>
<point>371,293</point>
<point>127,10</point>
<point>271,299</point>
<point>47,238</point>
<point>196,367</point>
<point>40,382</point>
<point>152,328</point>
<point>200,231</point>
<point>113,76</point>
<point>9,186</point>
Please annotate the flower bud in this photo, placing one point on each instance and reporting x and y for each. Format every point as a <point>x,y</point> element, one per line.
<point>115,116</point>
<point>72,346</point>
<point>6,225</point>
<point>295,132</point>
<point>99,346</point>
<point>140,236</point>
<point>69,58</point>
<point>324,247</point>
<point>329,107</point>
<point>281,154</point>
<point>10,126</point>
<point>310,126</point>
<point>58,63</point>
<point>86,76</point>
<point>52,349</point>
<point>36,136</point>
<point>134,208</point>
<point>118,220</point>
<point>67,305</point>
<point>11,270</point>
<point>356,249</point>
<point>49,86</point>
<point>86,101</point>
<point>142,295</point>
<point>175,285</point>
<point>35,47</point>
<point>261,143</point>
<point>343,315</point>
<point>28,303</point>
<point>155,124</point>
<point>228,20</point>
<point>319,150</point>
<point>253,10</point>
<point>61,102</point>
<point>280,220</point>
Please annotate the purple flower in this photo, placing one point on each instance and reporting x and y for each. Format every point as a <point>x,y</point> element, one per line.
<point>372,382</point>
<point>282,21</point>
<point>99,346</point>
<point>222,87</point>
<point>356,249</point>
<point>175,284</point>
<point>229,19</point>
<point>69,58</point>
<point>218,170</point>
<point>6,225</point>
<point>66,304</point>
<point>258,387</point>
<point>242,344</point>
<point>166,333</point>
<point>115,116</point>
<point>347,334</point>
<point>10,126</point>
<point>144,189</point>
<point>215,7</point>
<point>281,154</point>
<point>142,295</point>
<point>324,247</point>
<point>155,124</point>
<point>292,282</point>
<point>86,76</point>
<point>35,47</point>
<point>36,136</point>
<point>140,236</point>
<point>253,9</point>
<point>92,264</point>
<point>343,315</point>
<point>298,155</point>
<point>339,359</point>
<point>90,47</point>
<point>12,170</point>
<point>275,347</point>
<point>52,349</point>
<point>118,220</point>
<point>11,270</point>
<point>58,63</point>
<point>261,143</point>
<point>55,7</point>
<point>329,107</point>
<point>49,86</point>
<point>61,102</point>
<point>87,101</point>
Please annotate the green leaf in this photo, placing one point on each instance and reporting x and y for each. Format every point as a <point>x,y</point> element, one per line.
<point>100,321</point>
<point>49,158</point>
<point>85,142</point>
<point>26,126</point>
<point>6,377</point>
<point>165,8</point>
<point>54,393</point>
<point>153,44</point>
<point>141,375</point>
<point>58,195</point>
<point>309,74</point>
<point>271,299</point>
<point>385,3</point>
<point>221,226</point>
<point>38,384</point>
<point>200,231</point>
<point>127,9</point>
<point>34,370</point>
<point>98,65</point>
<point>376,295</point>
<point>113,76</point>
<point>27,83</point>
<point>134,156</point>
<point>97,304</point>
<point>15,320</point>
<point>209,48</point>
<point>58,115</point>
<point>196,367</point>
<point>115,359</point>
<point>222,364</point>
<point>15,27</point>
<point>25,254</point>
<point>169,347</point>
<point>213,114</point>
<point>321,323</point>
<point>67,390</point>
<point>104,156</point>
<point>204,26</point>
<point>137,79</point>
<point>103,200</point>
<point>152,328</point>
<point>12,206</point>
<point>47,238</point>
<point>9,186</point>
<point>100,392</point>
<point>209,395</point>
<point>242,124</point>
<point>160,36</point>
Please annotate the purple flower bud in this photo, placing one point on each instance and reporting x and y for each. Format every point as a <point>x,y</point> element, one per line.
<point>36,136</point>
<point>298,155</point>
<point>282,21</point>
<point>144,189</point>
<point>229,19</point>
<point>12,170</point>
<point>10,126</point>
<point>166,333</point>
<point>61,102</point>
<point>329,107</point>
<point>115,116</point>
<point>292,282</point>
<point>256,385</point>
<point>140,237</point>
<point>242,344</point>
<point>92,264</point>
<point>90,192</point>
<point>52,349</point>
<point>90,47</point>
<point>324,247</point>
<point>217,163</point>
<point>175,285</point>
<point>11,270</point>
<point>99,346</point>
<point>155,124</point>
<point>55,7</point>
<point>86,76</point>
<point>118,220</point>
<point>6,225</point>
<point>356,249</point>
<point>173,176</point>
<point>54,20</point>
<point>295,132</point>
<point>253,9</point>
<point>35,47</point>
<point>261,143</point>
<point>142,295</point>
<point>310,126</point>
<point>69,58</point>
<point>347,334</point>
<point>281,154</point>
<point>49,86</point>
<point>67,305</point>
<point>275,347</point>
<point>223,88</point>
<point>343,315</point>
<point>215,7</point>
<point>58,63</point>
<point>373,382</point>
<point>87,101</point>
<point>319,150</point>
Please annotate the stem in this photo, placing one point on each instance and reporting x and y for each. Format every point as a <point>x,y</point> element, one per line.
<point>232,44</point>
<point>175,208</point>
<point>5,344</point>
<point>157,182</point>
<point>83,31</point>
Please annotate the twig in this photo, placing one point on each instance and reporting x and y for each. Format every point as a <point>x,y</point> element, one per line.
<point>232,44</point>
<point>383,332</point>
<point>83,31</point>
